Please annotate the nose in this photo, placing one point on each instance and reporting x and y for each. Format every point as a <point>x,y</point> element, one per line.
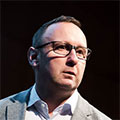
<point>72,59</point>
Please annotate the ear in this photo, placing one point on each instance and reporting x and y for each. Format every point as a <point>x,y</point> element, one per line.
<point>32,55</point>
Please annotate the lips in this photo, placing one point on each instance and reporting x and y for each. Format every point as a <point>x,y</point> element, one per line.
<point>69,72</point>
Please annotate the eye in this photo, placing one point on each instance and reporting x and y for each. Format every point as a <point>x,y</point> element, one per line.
<point>57,47</point>
<point>80,51</point>
<point>68,47</point>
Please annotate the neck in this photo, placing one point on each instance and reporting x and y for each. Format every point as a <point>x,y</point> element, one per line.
<point>54,97</point>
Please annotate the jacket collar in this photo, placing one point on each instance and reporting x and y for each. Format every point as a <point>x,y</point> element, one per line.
<point>17,109</point>
<point>82,110</point>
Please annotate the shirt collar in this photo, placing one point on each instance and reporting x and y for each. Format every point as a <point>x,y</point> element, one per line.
<point>33,97</point>
<point>70,103</point>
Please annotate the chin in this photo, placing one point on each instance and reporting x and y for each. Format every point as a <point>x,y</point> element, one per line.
<point>66,87</point>
<point>65,84</point>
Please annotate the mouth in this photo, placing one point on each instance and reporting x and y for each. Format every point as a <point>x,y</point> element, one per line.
<point>69,72</point>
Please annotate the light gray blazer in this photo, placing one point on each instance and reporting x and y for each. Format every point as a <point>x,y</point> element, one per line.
<point>14,108</point>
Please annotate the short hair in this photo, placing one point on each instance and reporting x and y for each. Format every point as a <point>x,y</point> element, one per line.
<point>37,38</point>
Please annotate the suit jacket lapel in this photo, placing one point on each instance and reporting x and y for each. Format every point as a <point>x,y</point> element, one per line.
<point>16,111</point>
<point>82,111</point>
<point>17,108</point>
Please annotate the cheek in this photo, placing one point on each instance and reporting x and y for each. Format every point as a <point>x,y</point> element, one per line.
<point>81,69</point>
<point>55,66</point>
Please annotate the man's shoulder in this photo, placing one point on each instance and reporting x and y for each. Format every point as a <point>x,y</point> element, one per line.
<point>6,101</point>
<point>88,110</point>
<point>18,97</point>
<point>11,106</point>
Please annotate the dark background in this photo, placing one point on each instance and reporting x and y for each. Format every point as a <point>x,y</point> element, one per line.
<point>100,23</point>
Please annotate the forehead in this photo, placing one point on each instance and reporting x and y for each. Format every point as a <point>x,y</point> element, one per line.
<point>66,32</point>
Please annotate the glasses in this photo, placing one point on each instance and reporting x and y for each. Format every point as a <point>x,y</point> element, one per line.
<point>64,49</point>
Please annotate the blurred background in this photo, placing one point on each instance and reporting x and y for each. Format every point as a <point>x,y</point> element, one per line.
<point>100,23</point>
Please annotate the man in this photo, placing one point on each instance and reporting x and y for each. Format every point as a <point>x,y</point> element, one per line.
<point>58,57</point>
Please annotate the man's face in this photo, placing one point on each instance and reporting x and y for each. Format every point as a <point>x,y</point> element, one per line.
<point>62,72</point>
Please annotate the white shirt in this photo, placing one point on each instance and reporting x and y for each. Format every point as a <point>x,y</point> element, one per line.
<point>38,109</point>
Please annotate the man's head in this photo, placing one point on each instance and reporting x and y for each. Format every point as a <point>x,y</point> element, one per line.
<point>37,38</point>
<point>56,64</point>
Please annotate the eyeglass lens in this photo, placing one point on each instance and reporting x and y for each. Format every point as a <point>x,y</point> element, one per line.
<point>65,49</point>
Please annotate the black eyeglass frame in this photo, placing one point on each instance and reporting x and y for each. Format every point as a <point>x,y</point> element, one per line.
<point>72,47</point>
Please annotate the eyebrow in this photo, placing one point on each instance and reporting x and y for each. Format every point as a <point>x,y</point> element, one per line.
<point>75,45</point>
